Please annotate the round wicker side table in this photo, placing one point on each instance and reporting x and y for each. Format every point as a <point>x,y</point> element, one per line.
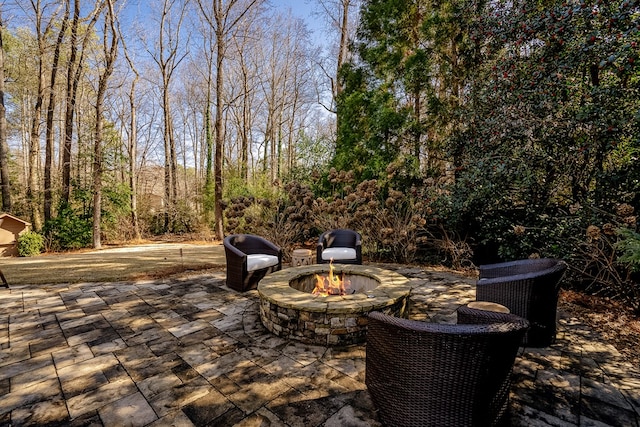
<point>488,306</point>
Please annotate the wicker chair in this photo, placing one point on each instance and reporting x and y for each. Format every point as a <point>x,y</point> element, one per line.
<point>249,259</point>
<point>528,288</point>
<point>427,374</point>
<point>342,245</point>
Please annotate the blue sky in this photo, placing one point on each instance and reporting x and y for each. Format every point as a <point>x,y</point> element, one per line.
<point>304,10</point>
<point>301,8</point>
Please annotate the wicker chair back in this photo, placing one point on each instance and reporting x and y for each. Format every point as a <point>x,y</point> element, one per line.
<point>425,374</point>
<point>528,288</point>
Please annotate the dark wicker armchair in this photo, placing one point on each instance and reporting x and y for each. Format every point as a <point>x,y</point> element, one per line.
<point>342,245</point>
<point>249,259</point>
<point>528,288</point>
<point>427,374</point>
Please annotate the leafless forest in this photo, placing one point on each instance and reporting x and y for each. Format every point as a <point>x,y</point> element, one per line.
<point>162,105</point>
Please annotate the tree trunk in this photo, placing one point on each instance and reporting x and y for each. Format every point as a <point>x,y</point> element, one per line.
<point>133,149</point>
<point>48,163</point>
<point>110,44</point>
<point>168,180</point>
<point>34,144</point>
<point>74,72</point>
<point>218,226</point>
<point>5,184</point>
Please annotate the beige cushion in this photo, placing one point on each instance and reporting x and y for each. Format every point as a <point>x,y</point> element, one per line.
<point>260,261</point>
<point>338,253</point>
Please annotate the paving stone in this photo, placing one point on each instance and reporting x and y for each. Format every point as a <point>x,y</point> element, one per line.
<point>14,354</point>
<point>87,367</point>
<point>175,418</point>
<point>33,376</point>
<point>262,417</point>
<point>606,393</point>
<point>547,399</point>
<point>206,409</point>
<point>608,414</point>
<point>25,365</point>
<point>31,394</point>
<point>51,412</point>
<point>193,352</point>
<point>166,343</point>
<point>349,416</point>
<point>79,385</point>
<point>130,411</point>
<point>258,392</point>
<point>158,383</point>
<point>526,416</point>
<point>199,336</point>
<point>180,396</point>
<point>222,344</point>
<point>223,365</point>
<point>185,372</point>
<point>71,355</point>
<point>145,336</point>
<point>197,354</point>
<point>107,346</point>
<point>297,409</point>
<point>148,368</point>
<point>101,396</point>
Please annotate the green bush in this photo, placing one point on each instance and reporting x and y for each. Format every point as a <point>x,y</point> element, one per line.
<point>30,244</point>
<point>69,230</point>
<point>629,246</point>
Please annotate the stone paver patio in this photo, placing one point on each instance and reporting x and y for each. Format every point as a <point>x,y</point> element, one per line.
<point>189,351</point>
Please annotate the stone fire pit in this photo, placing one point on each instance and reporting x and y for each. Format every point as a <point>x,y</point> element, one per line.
<point>329,320</point>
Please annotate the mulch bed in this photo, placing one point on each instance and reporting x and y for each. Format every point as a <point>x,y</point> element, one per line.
<point>615,321</point>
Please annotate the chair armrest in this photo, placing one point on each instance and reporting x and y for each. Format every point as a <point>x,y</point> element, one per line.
<point>472,316</point>
<point>235,251</point>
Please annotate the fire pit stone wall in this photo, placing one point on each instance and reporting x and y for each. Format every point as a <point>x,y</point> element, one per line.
<point>329,320</point>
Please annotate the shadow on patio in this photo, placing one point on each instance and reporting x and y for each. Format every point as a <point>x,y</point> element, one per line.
<point>190,351</point>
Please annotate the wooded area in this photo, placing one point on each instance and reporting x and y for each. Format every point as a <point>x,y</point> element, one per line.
<point>107,97</point>
<point>455,131</point>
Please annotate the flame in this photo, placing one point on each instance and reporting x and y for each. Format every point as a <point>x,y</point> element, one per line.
<point>330,284</point>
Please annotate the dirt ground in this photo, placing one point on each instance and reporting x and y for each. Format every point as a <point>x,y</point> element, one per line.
<point>154,260</point>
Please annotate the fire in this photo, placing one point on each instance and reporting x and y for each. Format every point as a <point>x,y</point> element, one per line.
<point>331,284</point>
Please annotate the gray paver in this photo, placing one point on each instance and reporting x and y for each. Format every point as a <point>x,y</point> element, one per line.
<point>191,352</point>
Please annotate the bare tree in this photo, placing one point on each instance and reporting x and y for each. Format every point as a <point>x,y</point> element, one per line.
<point>5,184</point>
<point>132,144</point>
<point>223,17</point>
<point>42,32</point>
<point>168,57</point>
<point>75,65</point>
<point>243,84</point>
<point>48,163</point>
<point>110,46</point>
<point>285,73</point>
<point>341,17</point>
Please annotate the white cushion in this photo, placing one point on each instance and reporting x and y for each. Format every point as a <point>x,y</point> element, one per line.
<point>338,253</point>
<point>260,261</point>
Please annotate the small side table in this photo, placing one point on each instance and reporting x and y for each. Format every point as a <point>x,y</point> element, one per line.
<point>301,257</point>
<point>488,306</point>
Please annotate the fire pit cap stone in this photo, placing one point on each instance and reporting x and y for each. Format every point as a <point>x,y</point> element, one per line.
<point>392,288</point>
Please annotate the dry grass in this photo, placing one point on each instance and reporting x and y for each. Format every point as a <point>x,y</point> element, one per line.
<point>113,264</point>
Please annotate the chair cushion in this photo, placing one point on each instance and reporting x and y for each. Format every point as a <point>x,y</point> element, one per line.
<point>260,261</point>
<point>338,253</point>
